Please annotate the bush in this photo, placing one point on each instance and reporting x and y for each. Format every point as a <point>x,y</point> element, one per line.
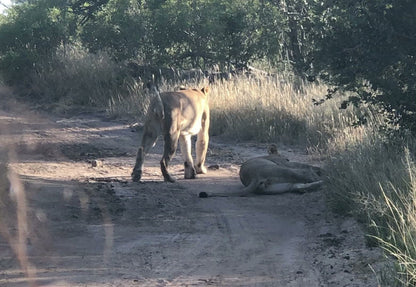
<point>28,35</point>
<point>76,78</point>
<point>368,47</point>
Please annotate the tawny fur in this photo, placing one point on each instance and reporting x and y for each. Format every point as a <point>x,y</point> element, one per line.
<point>274,174</point>
<point>177,116</point>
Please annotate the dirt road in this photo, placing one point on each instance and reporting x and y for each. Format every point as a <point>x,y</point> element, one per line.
<point>80,221</point>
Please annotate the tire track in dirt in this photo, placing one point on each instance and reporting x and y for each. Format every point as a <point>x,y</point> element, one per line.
<point>262,249</point>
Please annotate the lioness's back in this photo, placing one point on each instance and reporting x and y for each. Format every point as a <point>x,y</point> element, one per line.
<point>184,109</point>
<point>279,168</point>
<point>178,115</point>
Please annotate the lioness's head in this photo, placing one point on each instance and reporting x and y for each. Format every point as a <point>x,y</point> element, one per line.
<point>272,149</point>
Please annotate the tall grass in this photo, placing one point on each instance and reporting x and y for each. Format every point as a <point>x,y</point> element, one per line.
<point>131,103</point>
<point>272,109</point>
<point>397,234</point>
<point>262,109</point>
<point>372,175</point>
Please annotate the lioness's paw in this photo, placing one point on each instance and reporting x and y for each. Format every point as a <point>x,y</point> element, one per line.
<point>201,170</point>
<point>190,172</point>
<point>169,178</point>
<point>190,175</point>
<point>136,176</point>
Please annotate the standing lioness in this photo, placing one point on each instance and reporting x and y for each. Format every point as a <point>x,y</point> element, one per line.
<point>177,116</point>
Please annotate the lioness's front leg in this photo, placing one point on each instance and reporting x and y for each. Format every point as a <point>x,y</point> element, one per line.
<point>202,143</point>
<point>185,143</point>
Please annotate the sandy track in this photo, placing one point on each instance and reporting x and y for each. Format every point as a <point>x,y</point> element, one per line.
<point>91,226</point>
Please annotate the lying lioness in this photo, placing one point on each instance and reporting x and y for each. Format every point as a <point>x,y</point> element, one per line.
<point>177,116</point>
<point>273,174</point>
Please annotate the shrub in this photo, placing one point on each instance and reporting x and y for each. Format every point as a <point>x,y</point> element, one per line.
<point>78,78</point>
<point>30,33</point>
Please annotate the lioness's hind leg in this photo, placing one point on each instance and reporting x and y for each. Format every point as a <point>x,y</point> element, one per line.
<point>308,186</point>
<point>136,175</point>
<point>185,143</point>
<point>276,188</point>
<point>171,143</point>
<point>148,140</point>
<point>202,144</point>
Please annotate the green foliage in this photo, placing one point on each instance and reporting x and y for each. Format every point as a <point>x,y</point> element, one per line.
<point>202,33</point>
<point>184,32</point>
<point>369,47</point>
<point>180,34</point>
<point>30,34</point>
<point>118,28</point>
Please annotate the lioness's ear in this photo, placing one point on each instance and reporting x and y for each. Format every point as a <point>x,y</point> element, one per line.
<point>205,90</point>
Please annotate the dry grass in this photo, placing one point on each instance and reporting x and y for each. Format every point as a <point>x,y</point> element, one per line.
<point>272,110</point>
<point>258,108</point>
<point>376,182</point>
<point>397,232</point>
<point>372,175</point>
<point>132,104</point>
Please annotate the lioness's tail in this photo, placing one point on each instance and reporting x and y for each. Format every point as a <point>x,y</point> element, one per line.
<point>204,194</point>
<point>160,108</point>
<point>247,191</point>
<point>157,104</point>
